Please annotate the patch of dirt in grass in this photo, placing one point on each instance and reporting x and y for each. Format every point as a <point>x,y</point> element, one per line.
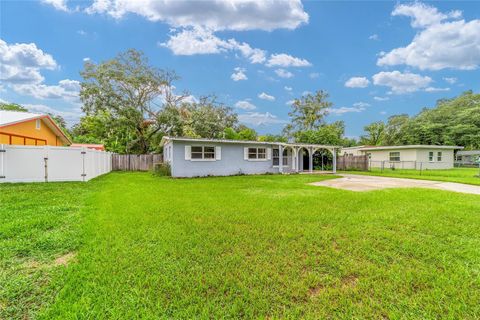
<point>316,291</point>
<point>65,259</point>
<point>350,281</point>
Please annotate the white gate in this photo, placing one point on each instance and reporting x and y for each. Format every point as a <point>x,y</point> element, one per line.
<point>46,163</point>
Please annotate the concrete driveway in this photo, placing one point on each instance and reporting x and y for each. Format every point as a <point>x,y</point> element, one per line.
<point>355,182</point>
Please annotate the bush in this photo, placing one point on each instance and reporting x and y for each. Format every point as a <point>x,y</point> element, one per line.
<point>162,169</point>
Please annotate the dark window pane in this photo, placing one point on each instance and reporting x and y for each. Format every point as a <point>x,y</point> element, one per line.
<point>209,149</point>
<point>196,149</point>
<point>196,155</point>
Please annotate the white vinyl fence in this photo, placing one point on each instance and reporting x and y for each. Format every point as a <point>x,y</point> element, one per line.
<point>46,163</point>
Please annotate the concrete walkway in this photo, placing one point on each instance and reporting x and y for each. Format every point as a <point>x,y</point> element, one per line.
<point>355,182</point>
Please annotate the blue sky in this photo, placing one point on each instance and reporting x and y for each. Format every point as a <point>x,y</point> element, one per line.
<point>375,59</point>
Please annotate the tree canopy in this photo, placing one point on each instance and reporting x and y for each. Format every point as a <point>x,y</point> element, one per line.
<point>129,105</point>
<point>453,121</point>
<point>12,107</point>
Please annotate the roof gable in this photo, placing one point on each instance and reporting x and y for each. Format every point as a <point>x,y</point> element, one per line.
<point>8,118</point>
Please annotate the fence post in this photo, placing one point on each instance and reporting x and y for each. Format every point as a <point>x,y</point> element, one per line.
<point>83,154</point>
<point>45,163</point>
<point>3,150</point>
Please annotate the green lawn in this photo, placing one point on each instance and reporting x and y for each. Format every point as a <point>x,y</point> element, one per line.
<point>137,246</point>
<point>461,175</point>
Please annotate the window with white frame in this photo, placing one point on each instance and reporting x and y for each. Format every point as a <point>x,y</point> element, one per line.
<point>430,156</point>
<point>203,153</point>
<point>37,124</point>
<point>395,156</point>
<point>439,156</point>
<point>257,153</point>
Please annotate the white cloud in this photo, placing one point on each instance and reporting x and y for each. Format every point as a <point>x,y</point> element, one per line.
<point>423,15</point>
<point>265,96</point>
<point>433,89</point>
<point>288,88</point>
<point>439,44</point>
<point>383,112</point>
<point>381,98</point>
<point>361,104</point>
<point>239,74</point>
<point>282,73</point>
<point>196,41</point>
<point>314,75</point>
<point>82,32</point>
<point>57,4</point>
<point>66,89</point>
<point>22,62</point>
<point>215,15</point>
<point>401,83</point>
<point>357,82</point>
<point>289,102</point>
<point>70,117</point>
<point>450,80</point>
<point>189,99</point>
<point>245,105</point>
<point>86,59</point>
<point>374,37</point>
<point>286,60</point>
<point>343,110</point>
<point>255,55</point>
<point>257,118</point>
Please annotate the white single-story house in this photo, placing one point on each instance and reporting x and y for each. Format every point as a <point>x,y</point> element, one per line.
<point>468,157</point>
<point>191,157</point>
<point>406,157</point>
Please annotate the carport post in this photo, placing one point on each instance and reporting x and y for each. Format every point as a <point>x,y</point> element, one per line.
<point>310,159</point>
<point>280,158</point>
<point>334,161</point>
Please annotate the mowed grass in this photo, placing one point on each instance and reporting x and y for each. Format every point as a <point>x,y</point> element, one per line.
<point>242,247</point>
<point>40,232</point>
<point>461,175</point>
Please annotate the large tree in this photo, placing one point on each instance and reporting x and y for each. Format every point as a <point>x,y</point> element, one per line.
<point>375,133</point>
<point>308,112</point>
<point>130,105</point>
<point>128,93</point>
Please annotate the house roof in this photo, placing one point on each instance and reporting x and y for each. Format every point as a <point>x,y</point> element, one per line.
<point>165,139</point>
<point>414,146</point>
<point>9,118</point>
<point>468,153</point>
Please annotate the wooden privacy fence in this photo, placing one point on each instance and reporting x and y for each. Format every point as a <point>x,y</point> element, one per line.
<point>352,163</point>
<point>135,162</point>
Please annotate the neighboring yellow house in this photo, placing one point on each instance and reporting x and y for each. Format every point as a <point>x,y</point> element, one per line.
<point>24,128</point>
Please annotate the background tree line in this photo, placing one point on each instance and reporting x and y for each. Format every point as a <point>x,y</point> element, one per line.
<point>453,121</point>
<point>129,105</point>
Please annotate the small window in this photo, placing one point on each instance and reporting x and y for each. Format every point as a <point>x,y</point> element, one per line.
<point>276,157</point>
<point>439,156</point>
<point>430,156</point>
<point>394,156</point>
<point>203,152</point>
<point>37,124</point>
<point>257,153</point>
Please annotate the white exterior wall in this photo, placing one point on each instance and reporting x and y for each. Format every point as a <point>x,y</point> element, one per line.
<point>46,163</point>
<point>411,159</point>
<point>446,163</point>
